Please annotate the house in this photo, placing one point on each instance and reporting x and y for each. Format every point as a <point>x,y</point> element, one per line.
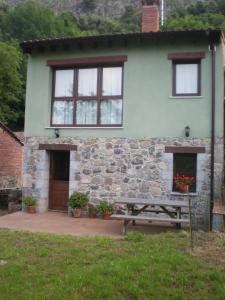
<point>11,157</point>
<point>121,115</point>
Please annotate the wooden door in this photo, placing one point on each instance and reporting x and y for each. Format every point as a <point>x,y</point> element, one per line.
<point>59,180</point>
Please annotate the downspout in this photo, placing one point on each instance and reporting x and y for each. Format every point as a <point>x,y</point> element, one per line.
<point>213,87</point>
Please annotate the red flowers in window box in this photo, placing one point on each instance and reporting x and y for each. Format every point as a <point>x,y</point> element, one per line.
<point>183,182</point>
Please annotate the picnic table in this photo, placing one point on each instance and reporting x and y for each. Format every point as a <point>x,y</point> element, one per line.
<point>135,210</point>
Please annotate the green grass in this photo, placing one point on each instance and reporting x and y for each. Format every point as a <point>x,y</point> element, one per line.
<point>141,267</point>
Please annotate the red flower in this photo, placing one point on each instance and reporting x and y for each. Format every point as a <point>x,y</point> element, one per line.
<point>181,179</point>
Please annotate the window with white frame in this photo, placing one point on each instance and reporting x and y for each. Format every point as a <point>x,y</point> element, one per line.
<point>186,78</point>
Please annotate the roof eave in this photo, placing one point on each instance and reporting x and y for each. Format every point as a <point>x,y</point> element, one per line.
<point>28,46</point>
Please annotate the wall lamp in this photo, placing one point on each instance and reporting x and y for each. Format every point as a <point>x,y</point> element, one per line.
<point>187,131</point>
<point>57,135</point>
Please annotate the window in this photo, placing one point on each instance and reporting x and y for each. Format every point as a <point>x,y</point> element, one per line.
<point>186,78</point>
<point>185,165</point>
<point>87,83</point>
<point>88,97</point>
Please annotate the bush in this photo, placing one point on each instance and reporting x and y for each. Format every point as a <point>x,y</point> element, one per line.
<point>28,201</point>
<point>104,207</point>
<point>92,210</point>
<point>78,200</point>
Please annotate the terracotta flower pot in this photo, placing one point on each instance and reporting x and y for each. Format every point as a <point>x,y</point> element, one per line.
<point>77,212</point>
<point>31,209</point>
<point>107,215</point>
<point>183,188</point>
<point>92,215</point>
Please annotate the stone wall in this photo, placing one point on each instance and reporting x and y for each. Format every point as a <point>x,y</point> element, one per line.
<point>10,200</point>
<point>10,181</point>
<point>121,167</point>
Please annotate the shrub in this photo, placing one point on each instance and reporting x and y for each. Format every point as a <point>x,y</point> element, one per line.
<point>78,200</point>
<point>104,207</point>
<point>28,201</point>
<point>92,210</point>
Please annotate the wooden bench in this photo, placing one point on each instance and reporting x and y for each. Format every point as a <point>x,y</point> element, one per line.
<point>128,218</point>
<point>134,209</point>
<point>153,202</point>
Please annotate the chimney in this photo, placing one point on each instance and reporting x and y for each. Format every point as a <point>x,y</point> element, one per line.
<point>150,15</point>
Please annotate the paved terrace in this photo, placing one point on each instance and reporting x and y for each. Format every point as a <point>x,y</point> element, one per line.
<point>60,223</point>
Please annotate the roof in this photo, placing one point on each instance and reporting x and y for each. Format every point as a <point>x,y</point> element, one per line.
<point>12,134</point>
<point>20,135</point>
<point>28,46</point>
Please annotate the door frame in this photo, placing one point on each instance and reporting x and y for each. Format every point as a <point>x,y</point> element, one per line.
<point>51,153</point>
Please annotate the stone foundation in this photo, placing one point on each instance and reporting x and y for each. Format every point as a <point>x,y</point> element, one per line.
<point>10,182</point>
<point>111,168</point>
<point>10,200</point>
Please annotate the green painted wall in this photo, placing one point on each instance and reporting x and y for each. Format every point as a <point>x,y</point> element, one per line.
<point>149,109</point>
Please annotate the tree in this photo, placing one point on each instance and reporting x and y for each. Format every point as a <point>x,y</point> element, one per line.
<point>68,25</point>
<point>202,21</point>
<point>196,7</point>
<point>98,25</point>
<point>11,105</point>
<point>88,5</point>
<point>30,20</point>
<point>131,19</point>
<point>208,6</point>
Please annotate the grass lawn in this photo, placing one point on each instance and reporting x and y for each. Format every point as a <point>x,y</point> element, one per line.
<point>41,266</point>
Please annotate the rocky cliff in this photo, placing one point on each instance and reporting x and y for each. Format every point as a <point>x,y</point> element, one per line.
<point>109,8</point>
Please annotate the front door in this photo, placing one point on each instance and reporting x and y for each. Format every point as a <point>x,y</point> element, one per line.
<point>59,180</point>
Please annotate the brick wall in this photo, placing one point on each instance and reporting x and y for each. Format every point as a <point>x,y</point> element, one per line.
<point>150,18</point>
<point>11,157</point>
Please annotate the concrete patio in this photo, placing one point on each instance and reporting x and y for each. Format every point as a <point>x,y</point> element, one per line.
<point>61,224</point>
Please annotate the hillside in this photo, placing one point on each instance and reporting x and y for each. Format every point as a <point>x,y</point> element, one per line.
<point>109,8</point>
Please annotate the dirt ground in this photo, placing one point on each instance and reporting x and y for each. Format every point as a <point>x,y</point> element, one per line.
<point>60,223</point>
<point>210,247</point>
<point>3,212</point>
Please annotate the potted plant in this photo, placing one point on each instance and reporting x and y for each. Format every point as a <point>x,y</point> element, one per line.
<point>182,182</point>
<point>29,202</point>
<point>77,202</point>
<point>92,212</point>
<point>119,209</point>
<point>105,209</point>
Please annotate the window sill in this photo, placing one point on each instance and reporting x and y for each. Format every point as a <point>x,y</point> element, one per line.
<point>60,127</point>
<point>184,194</point>
<point>185,97</point>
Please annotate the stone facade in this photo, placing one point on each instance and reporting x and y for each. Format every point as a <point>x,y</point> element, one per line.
<point>11,200</point>
<point>111,168</point>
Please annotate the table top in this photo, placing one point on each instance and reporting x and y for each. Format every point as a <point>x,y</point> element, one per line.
<point>151,202</point>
